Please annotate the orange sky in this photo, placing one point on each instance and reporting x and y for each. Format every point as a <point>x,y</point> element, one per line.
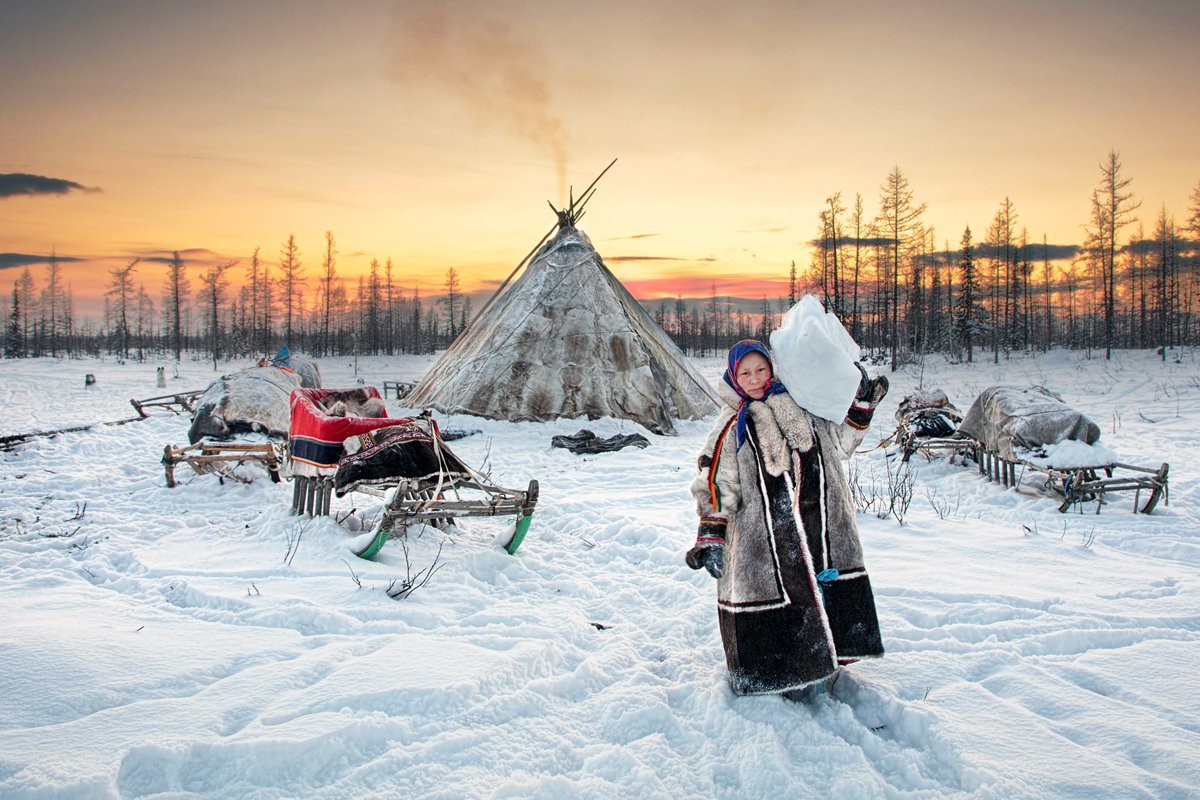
<point>434,133</point>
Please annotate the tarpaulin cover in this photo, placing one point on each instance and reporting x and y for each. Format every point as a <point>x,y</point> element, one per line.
<point>315,438</point>
<point>1020,422</point>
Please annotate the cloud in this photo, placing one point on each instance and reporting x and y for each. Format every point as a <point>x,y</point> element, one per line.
<point>657,258</point>
<point>634,236</point>
<point>1034,251</point>
<point>160,256</point>
<point>18,184</point>
<point>1151,247</point>
<point>862,241</point>
<point>13,260</point>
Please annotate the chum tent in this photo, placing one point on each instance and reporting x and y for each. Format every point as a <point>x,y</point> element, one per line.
<point>566,339</point>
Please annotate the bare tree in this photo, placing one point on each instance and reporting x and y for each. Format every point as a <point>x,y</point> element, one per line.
<point>120,291</point>
<point>899,221</point>
<point>145,319</point>
<point>52,303</point>
<point>451,301</point>
<point>327,276</point>
<point>176,294</point>
<point>215,284</point>
<point>291,283</point>
<point>1114,206</point>
<point>857,226</point>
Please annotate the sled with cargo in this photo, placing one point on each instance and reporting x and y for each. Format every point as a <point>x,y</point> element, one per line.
<point>240,418</point>
<point>1013,431</point>
<point>403,462</point>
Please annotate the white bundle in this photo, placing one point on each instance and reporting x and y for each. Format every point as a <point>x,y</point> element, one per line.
<point>814,358</point>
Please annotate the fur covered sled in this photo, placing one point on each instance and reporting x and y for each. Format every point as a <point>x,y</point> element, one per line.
<point>241,417</point>
<point>1018,430</point>
<point>254,400</point>
<point>403,461</point>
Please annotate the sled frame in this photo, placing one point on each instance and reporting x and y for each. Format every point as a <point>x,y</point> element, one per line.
<point>221,458</point>
<point>1080,485</point>
<point>1076,485</point>
<point>179,403</point>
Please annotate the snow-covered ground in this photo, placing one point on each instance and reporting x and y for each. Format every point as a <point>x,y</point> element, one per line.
<point>200,642</point>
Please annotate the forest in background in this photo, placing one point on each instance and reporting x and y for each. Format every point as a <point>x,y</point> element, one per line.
<point>900,294</point>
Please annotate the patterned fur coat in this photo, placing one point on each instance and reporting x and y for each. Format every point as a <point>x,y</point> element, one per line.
<point>782,506</point>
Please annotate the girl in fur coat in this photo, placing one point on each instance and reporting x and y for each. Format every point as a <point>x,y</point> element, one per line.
<point>777,530</point>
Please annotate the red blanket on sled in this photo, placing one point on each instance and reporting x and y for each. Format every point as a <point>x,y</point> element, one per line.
<point>315,438</point>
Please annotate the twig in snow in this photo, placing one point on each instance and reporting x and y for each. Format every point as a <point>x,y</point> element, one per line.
<point>400,589</point>
<point>353,575</point>
<point>295,534</point>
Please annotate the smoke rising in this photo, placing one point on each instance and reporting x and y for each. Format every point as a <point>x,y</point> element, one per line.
<point>481,62</point>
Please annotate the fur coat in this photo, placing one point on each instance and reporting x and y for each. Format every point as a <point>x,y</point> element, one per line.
<point>781,507</point>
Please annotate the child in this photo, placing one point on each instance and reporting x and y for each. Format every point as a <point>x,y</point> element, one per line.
<point>777,530</point>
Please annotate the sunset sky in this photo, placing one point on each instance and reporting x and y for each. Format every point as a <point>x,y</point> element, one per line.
<point>433,133</point>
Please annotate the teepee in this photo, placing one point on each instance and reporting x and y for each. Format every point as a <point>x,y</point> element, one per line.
<point>566,339</point>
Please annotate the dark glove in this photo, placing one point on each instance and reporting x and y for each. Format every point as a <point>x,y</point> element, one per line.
<point>864,383</point>
<point>878,390</point>
<point>870,390</point>
<point>710,556</point>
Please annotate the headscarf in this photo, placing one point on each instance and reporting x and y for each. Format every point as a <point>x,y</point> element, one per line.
<point>736,354</point>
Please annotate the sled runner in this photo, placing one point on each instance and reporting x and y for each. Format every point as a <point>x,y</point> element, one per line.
<point>179,403</point>
<point>1009,431</point>
<point>403,461</point>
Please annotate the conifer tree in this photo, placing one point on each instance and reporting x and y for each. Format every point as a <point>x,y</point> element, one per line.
<point>965,313</point>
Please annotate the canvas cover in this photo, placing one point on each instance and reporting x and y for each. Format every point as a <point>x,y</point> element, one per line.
<point>1020,422</point>
<point>566,339</point>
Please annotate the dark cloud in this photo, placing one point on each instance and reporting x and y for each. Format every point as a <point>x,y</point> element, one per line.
<point>18,184</point>
<point>159,256</point>
<point>862,241</point>
<point>11,260</point>
<point>1033,252</point>
<point>1151,247</point>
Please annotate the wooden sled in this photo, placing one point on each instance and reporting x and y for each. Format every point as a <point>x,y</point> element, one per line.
<point>436,501</point>
<point>931,447</point>
<point>1076,485</point>
<point>432,487</point>
<point>412,502</point>
<point>1080,485</point>
<point>180,403</point>
<point>221,458</point>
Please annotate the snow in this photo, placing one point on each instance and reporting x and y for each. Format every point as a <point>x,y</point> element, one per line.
<point>814,358</point>
<point>200,642</point>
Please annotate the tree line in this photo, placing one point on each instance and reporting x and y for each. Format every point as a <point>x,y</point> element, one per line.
<point>899,294</point>
<point>198,311</point>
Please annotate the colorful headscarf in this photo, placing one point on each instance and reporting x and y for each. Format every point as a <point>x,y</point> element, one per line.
<point>736,354</point>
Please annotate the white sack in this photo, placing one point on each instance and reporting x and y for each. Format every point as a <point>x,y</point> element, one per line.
<point>814,358</point>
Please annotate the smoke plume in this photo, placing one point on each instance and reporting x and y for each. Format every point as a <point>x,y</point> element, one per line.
<point>481,62</point>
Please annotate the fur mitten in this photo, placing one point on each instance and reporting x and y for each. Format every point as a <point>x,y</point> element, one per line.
<point>709,550</point>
